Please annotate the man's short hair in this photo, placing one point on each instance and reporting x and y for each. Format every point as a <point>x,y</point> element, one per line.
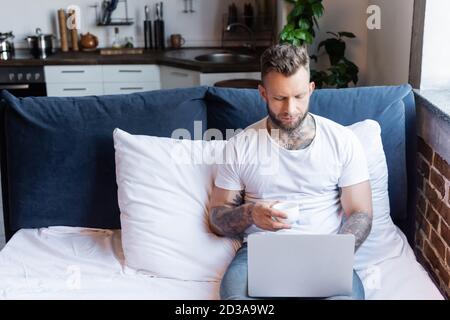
<point>286,59</point>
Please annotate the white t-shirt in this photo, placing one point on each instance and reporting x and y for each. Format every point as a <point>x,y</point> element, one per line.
<point>256,163</point>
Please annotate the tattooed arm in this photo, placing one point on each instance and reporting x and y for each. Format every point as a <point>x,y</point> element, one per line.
<point>356,201</point>
<point>229,216</point>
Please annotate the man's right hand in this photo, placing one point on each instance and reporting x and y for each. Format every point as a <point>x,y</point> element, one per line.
<point>230,217</point>
<point>264,217</point>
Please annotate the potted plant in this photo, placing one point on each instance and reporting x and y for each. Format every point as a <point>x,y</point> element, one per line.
<point>342,71</point>
<point>300,22</point>
<point>299,30</point>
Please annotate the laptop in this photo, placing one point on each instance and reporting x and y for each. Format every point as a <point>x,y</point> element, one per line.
<point>296,265</point>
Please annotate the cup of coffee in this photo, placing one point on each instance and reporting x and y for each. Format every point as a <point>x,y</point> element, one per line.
<point>291,209</point>
<point>176,40</point>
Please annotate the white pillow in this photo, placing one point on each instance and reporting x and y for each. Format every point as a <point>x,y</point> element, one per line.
<point>383,242</point>
<point>163,191</point>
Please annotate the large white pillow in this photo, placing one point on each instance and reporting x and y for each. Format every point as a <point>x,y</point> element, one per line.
<point>163,191</point>
<point>384,241</point>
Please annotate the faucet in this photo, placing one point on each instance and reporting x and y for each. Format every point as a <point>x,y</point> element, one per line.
<point>252,45</point>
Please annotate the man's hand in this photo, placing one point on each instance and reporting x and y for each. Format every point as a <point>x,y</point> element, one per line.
<point>230,217</point>
<point>264,217</point>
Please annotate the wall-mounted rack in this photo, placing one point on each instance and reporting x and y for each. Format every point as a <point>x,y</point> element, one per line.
<point>100,14</point>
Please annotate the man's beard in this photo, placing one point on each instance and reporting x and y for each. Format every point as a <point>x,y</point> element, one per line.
<point>287,128</point>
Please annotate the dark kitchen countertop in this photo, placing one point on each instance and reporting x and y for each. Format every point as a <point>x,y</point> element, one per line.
<point>180,58</point>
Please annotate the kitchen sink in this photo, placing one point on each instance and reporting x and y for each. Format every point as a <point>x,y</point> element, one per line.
<point>225,57</point>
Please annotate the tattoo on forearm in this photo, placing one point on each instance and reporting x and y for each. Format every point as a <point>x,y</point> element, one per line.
<point>359,224</point>
<point>238,199</point>
<point>231,222</point>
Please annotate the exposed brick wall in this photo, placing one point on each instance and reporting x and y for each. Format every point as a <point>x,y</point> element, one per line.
<point>433,215</point>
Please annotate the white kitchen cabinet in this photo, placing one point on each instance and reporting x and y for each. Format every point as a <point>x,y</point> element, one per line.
<point>71,74</point>
<point>128,87</point>
<point>129,78</point>
<point>131,73</point>
<point>74,89</point>
<point>64,81</point>
<point>178,78</point>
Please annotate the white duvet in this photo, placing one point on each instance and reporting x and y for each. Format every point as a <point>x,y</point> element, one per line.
<point>80,263</point>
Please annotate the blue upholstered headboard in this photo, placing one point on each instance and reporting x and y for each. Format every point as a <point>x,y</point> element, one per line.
<point>57,155</point>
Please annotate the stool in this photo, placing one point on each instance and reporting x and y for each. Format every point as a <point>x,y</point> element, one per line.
<point>239,83</point>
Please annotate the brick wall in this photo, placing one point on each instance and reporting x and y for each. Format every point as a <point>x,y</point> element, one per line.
<point>433,215</point>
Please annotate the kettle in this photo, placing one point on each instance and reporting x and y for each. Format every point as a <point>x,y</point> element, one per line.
<point>6,45</point>
<point>88,41</point>
<point>41,45</point>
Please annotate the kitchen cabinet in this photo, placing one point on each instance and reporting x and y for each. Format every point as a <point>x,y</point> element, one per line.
<point>181,78</point>
<point>85,80</point>
<point>178,78</point>
<point>71,74</point>
<point>131,73</point>
<point>129,87</point>
<point>71,89</point>
<point>65,81</point>
<point>118,79</point>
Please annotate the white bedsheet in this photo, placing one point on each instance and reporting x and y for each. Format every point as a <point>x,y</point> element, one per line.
<point>79,263</point>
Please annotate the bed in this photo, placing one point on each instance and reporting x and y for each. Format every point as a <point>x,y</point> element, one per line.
<point>88,264</point>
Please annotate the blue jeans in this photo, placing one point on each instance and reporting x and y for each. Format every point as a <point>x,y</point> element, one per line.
<point>234,282</point>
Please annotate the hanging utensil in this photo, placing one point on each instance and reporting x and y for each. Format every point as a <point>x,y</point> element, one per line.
<point>148,29</point>
<point>157,12</point>
<point>159,27</point>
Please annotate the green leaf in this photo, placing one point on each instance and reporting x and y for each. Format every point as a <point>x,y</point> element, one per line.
<point>297,42</point>
<point>304,24</point>
<point>289,27</point>
<point>317,9</point>
<point>298,10</point>
<point>301,34</point>
<point>346,34</point>
<point>309,38</point>
<point>335,49</point>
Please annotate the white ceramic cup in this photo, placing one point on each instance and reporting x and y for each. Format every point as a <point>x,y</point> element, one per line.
<point>291,209</point>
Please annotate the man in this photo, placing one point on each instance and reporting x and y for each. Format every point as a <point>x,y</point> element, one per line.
<point>320,164</point>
